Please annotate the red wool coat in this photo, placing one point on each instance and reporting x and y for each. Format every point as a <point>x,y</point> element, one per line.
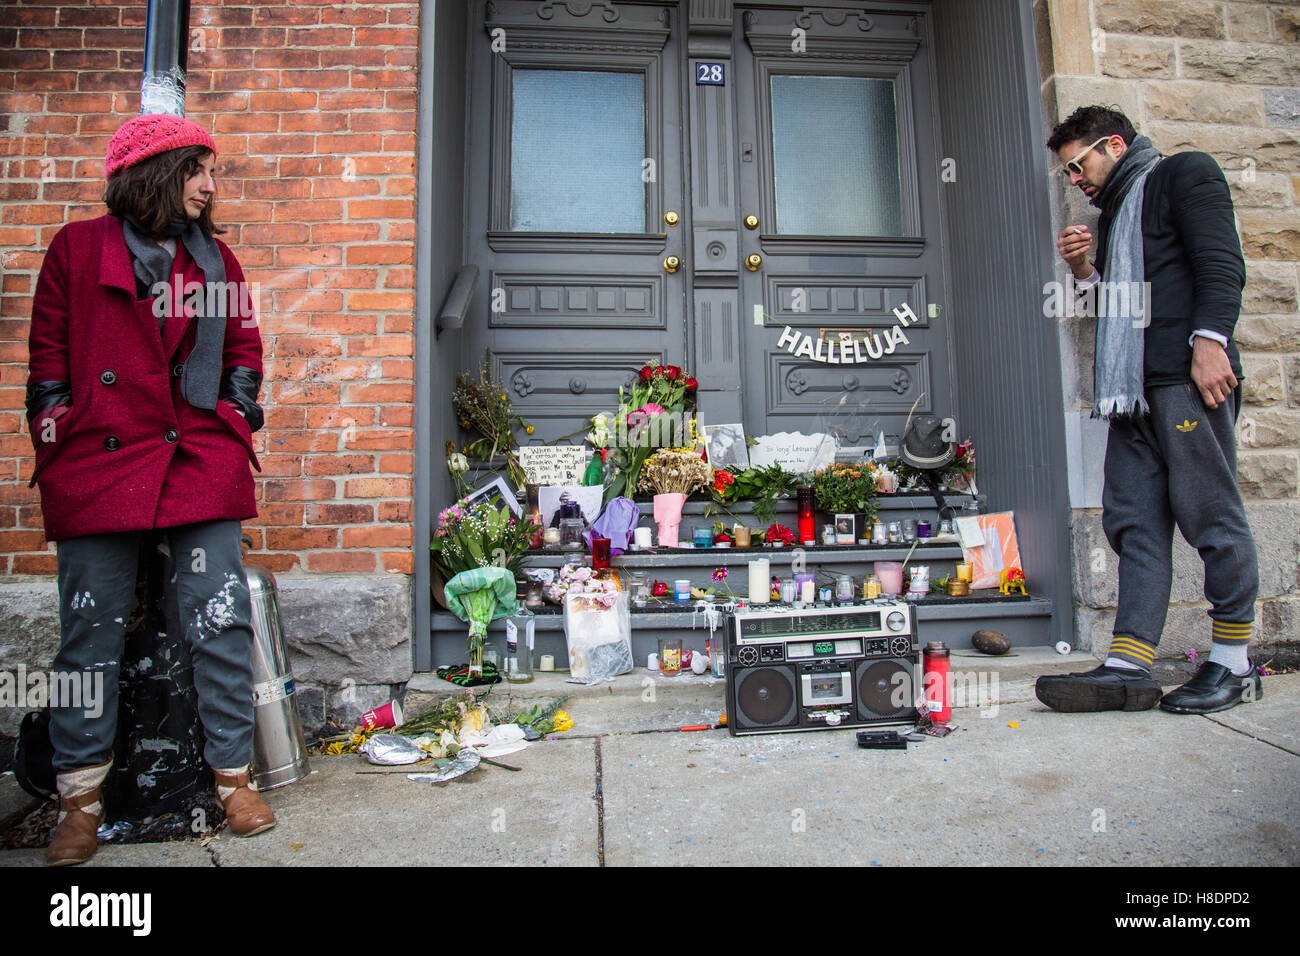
<point>131,454</point>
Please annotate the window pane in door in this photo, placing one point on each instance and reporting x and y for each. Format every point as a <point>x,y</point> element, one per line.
<point>576,152</point>
<point>835,156</point>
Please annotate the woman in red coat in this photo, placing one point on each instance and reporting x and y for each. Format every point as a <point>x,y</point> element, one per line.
<point>142,399</point>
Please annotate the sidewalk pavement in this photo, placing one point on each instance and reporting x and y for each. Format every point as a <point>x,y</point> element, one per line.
<point>1016,784</point>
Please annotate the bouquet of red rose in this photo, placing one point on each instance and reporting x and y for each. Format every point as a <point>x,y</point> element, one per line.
<point>656,412</point>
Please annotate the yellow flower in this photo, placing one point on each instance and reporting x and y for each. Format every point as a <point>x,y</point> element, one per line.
<point>529,429</point>
<point>562,722</point>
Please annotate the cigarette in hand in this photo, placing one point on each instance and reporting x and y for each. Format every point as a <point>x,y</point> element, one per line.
<point>1080,230</point>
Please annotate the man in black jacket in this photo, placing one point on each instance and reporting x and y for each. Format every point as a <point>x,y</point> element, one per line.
<point>1167,284</point>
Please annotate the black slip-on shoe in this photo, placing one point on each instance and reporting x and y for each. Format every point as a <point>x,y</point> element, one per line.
<point>1213,688</point>
<point>1103,688</point>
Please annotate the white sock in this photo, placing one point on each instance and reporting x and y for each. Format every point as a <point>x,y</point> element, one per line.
<point>224,792</point>
<point>1232,656</point>
<point>1122,664</point>
<point>74,783</point>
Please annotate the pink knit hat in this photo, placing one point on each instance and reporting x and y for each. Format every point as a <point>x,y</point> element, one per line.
<point>149,135</point>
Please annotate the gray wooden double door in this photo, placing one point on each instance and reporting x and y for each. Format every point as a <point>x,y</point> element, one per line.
<point>750,192</point>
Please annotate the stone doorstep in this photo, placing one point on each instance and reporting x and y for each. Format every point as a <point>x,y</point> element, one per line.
<point>626,704</point>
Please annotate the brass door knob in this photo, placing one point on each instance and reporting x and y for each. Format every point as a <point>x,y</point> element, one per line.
<point>753,261</point>
<point>671,218</point>
<point>672,264</point>
<point>751,221</point>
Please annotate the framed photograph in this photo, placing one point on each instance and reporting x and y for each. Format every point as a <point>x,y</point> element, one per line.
<point>726,446</point>
<point>846,529</point>
<point>495,493</point>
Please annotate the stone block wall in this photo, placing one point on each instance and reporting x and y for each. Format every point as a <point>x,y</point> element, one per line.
<point>1223,78</point>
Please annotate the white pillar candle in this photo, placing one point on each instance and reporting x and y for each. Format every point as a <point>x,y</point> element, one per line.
<point>760,581</point>
<point>807,593</point>
<point>641,536</point>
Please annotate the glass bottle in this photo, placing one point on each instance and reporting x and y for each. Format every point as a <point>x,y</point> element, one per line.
<point>519,646</point>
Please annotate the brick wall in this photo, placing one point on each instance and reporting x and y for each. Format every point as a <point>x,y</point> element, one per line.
<point>313,108</point>
<point>1223,78</point>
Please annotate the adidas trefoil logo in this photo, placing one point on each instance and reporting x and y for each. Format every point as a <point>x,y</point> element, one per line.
<point>1187,426</point>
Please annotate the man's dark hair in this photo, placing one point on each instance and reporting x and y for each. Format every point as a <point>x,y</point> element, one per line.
<point>1090,123</point>
<point>152,191</point>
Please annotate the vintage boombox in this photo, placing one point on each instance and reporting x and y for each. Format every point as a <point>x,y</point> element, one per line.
<point>793,669</point>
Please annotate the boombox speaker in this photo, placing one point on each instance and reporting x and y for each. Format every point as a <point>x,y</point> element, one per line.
<point>794,669</point>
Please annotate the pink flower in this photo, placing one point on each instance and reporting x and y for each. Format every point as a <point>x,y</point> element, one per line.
<point>651,409</point>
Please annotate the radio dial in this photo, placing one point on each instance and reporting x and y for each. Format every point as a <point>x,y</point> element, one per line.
<point>748,656</point>
<point>900,645</point>
<point>897,620</point>
<point>833,720</point>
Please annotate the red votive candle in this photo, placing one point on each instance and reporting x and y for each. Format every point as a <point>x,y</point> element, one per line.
<point>807,516</point>
<point>599,553</point>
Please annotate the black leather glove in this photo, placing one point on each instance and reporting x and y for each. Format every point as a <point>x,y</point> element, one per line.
<point>240,385</point>
<point>42,396</point>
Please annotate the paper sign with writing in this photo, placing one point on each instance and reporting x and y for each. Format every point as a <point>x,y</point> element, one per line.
<point>795,452</point>
<point>553,464</point>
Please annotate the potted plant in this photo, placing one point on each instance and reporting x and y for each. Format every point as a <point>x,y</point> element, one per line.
<point>845,488</point>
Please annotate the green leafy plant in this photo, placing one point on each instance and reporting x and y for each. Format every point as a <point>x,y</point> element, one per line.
<point>479,536</point>
<point>844,488</point>
<point>483,406</point>
<point>762,486</point>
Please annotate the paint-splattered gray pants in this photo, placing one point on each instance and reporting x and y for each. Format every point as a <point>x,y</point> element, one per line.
<point>97,579</point>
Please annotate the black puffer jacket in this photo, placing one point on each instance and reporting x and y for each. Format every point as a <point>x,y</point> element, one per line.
<point>1192,260</point>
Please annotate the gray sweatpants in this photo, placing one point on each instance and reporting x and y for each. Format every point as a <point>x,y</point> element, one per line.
<point>1177,466</point>
<point>97,578</point>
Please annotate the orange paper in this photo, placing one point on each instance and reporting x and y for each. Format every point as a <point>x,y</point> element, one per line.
<point>1000,550</point>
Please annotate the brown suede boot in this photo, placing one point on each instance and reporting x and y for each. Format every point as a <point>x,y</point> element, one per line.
<point>246,812</point>
<point>81,809</point>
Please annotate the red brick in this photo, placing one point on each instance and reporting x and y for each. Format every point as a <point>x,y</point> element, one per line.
<point>282,102</point>
<point>397,416</point>
<point>397,252</point>
<point>314,79</point>
<point>321,36</point>
<point>285,16</point>
<point>377,488</point>
<point>277,563</point>
<point>399,142</point>
<point>306,490</point>
<point>290,416</point>
<point>281,515</point>
<point>382,302</point>
<point>352,15</point>
<point>397,464</point>
<point>353,56</point>
<point>344,278</point>
<point>393,537</point>
<point>111,38</point>
<point>397,101</point>
<point>246,123</point>
<point>405,58</point>
<point>400,186</point>
<point>301,539</point>
<point>388,209</point>
<point>339,561</point>
<point>345,417</point>
<point>401,439</point>
<point>395,511</point>
<point>256,38</point>
<point>381,345</point>
<point>281,466</point>
<point>308,255</point>
<point>351,100</point>
<point>314,122</point>
<point>340,514</point>
<point>306,442</point>
<point>345,187</point>
<point>315,211</point>
<point>306,393</point>
<point>383,79</point>
<point>398,279</point>
<point>31,215</point>
<point>279,234</point>
<point>334,232</point>
<point>398,561</point>
<point>287,60</point>
<point>278,189</point>
<point>35,564</point>
<point>47,39</point>
<point>341,465</point>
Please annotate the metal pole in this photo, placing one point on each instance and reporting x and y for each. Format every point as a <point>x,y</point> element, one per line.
<point>166,36</point>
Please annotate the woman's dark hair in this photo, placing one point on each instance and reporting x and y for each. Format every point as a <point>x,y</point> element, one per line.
<point>1089,123</point>
<point>152,191</point>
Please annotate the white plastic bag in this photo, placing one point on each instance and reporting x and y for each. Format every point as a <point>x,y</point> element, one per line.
<point>599,638</point>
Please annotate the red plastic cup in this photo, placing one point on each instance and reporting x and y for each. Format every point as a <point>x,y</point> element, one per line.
<point>390,715</point>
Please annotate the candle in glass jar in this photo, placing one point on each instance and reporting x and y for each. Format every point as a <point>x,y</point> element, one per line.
<point>964,573</point>
<point>551,536</point>
<point>741,534</point>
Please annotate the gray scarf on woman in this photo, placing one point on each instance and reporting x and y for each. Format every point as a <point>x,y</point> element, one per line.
<point>152,264</point>
<point>1122,307</point>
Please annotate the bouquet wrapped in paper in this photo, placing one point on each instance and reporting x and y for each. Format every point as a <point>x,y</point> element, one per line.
<point>597,626</point>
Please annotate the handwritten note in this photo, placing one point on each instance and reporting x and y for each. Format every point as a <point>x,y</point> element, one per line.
<point>553,464</point>
<point>795,452</point>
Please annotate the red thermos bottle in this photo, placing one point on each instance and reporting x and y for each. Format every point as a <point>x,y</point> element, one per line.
<point>936,682</point>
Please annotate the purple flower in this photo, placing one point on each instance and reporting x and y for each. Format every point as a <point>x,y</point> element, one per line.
<point>720,574</point>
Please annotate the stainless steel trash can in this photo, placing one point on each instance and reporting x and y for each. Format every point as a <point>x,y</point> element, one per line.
<point>279,751</point>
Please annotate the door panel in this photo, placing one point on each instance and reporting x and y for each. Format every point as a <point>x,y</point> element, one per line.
<point>574,157</point>
<point>841,174</point>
